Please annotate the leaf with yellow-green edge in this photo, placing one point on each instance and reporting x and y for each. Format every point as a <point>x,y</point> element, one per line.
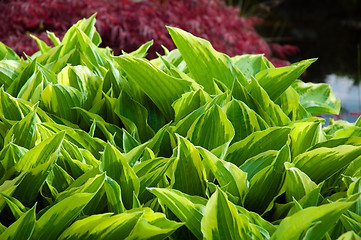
<point>61,99</point>
<point>183,125</point>
<point>92,185</point>
<point>267,184</point>
<point>103,226</point>
<point>276,80</point>
<point>321,163</point>
<point>24,133</point>
<point>188,209</point>
<point>298,184</point>
<point>59,216</point>
<point>7,53</point>
<point>32,89</point>
<point>23,228</point>
<point>8,187</point>
<point>10,70</point>
<point>9,156</point>
<point>77,137</point>
<point>19,82</point>
<point>161,88</point>
<point>211,130</point>
<point>203,61</point>
<point>324,216</point>
<point>142,51</point>
<point>117,167</point>
<point>153,225</point>
<point>304,135</point>
<point>28,190</point>
<point>265,106</point>
<point>189,102</point>
<point>290,104</point>
<point>111,132</point>
<point>350,235</point>
<point>12,109</point>
<point>228,175</point>
<point>251,64</point>
<point>114,195</point>
<point>56,41</point>
<point>317,98</point>
<point>244,120</point>
<point>189,174</point>
<point>222,221</point>
<point>113,81</point>
<point>273,138</point>
<point>85,25</point>
<point>43,47</point>
<point>255,164</point>
<point>136,115</point>
<point>355,188</point>
<point>16,207</point>
<point>44,152</point>
<point>150,172</point>
<point>82,79</point>
<point>59,178</point>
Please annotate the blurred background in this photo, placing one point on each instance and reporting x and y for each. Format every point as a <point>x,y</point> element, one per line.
<point>286,31</point>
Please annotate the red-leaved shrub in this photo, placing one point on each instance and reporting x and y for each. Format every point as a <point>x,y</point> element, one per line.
<point>125,25</point>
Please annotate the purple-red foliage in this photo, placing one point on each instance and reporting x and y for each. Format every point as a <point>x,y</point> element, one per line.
<point>125,25</point>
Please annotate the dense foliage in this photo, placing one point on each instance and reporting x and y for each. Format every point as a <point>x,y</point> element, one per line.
<point>125,25</point>
<point>190,145</point>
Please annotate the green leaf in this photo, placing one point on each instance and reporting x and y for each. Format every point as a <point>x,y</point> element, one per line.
<point>153,226</point>
<point>265,106</point>
<point>7,53</point>
<point>188,209</point>
<point>304,135</point>
<point>228,175</point>
<point>136,115</point>
<point>161,88</point>
<point>324,217</point>
<point>189,102</point>
<point>317,98</point>
<point>10,70</point>
<point>141,52</point>
<point>59,216</point>
<point>69,97</point>
<point>114,195</point>
<point>150,173</point>
<point>211,130</point>
<point>189,174</point>
<point>273,138</point>
<point>276,80</point>
<point>255,164</point>
<point>91,185</point>
<point>16,207</point>
<point>204,63</point>
<point>85,81</point>
<point>321,163</point>
<point>8,187</point>
<point>103,226</point>
<point>350,235</point>
<point>298,184</point>
<point>116,166</point>
<point>23,228</point>
<point>244,120</point>
<point>24,133</point>
<point>221,220</point>
<point>267,184</point>
<point>43,47</point>
<point>251,64</point>
<point>46,151</point>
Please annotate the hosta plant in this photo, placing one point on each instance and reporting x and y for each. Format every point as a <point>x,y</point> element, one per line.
<point>193,144</point>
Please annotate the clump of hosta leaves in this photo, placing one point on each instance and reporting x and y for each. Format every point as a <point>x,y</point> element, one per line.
<point>190,145</point>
